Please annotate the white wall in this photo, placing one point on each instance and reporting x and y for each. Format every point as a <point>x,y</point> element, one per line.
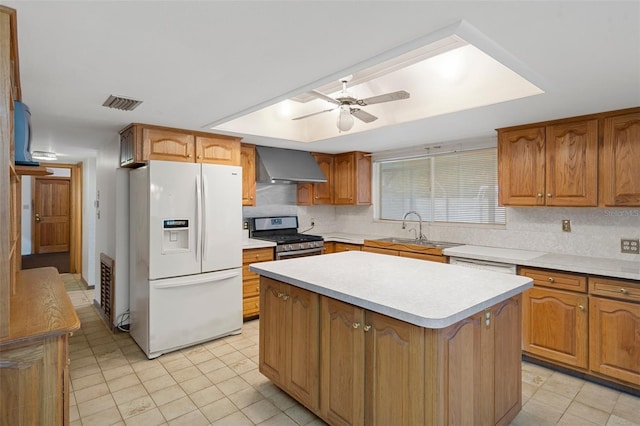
<point>89,262</point>
<point>107,162</point>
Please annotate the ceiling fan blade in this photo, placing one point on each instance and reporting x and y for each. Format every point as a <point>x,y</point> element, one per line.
<point>387,97</point>
<point>324,97</point>
<point>313,113</point>
<point>363,115</point>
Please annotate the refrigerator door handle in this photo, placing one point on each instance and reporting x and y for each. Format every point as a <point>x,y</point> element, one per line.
<point>198,216</point>
<point>205,185</point>
<point>186,281</point>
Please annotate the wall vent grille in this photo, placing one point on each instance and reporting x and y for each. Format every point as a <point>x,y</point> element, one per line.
<point>121,103</point>
<point>107,288</point>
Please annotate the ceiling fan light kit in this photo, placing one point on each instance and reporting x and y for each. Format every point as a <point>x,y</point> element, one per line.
<point>346,100</point>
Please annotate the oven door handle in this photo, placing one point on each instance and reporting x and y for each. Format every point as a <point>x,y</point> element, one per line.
<point>283,254</point>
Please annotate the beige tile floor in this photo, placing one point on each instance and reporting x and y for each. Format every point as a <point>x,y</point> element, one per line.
<point>218,383</point>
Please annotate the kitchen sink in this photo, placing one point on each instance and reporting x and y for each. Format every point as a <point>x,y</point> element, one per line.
<point>424,243</point>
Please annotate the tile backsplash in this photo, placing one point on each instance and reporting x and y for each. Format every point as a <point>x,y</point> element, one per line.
<point>594,231</point>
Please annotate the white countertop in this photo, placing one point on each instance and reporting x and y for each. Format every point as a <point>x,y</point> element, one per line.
<point>343,237</point>
<point>428,294</point>
<point>251,243</point>
<point>564,262</point>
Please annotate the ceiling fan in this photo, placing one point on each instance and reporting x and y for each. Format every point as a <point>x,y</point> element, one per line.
<point>349,104</point>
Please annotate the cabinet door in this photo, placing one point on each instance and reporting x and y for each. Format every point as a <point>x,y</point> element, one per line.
<point>342,362</point>
<point>572,164</point>
<point>506,329</point>
<point>272,325</point>
<point>344,177</point>
<point>248,163</point>
<point>620,156</point>
<point>521,175</point>
<point>394,365</point>
<point>614,334</point>
<point>555,325</point>
<point>130,147</point>
<point>217,150</point>
<point>323,192</point>
<point>160,144</point>
<point>36,371</point>
<point>302,352</point>
<point>304,194</point>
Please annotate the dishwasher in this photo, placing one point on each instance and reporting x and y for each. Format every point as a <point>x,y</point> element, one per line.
<point>505,268</point>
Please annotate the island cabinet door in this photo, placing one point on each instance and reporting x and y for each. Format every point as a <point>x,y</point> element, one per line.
<point>341,362</point>
<point>555,325</point>
<point>289,338</point>
<point>394,371</point>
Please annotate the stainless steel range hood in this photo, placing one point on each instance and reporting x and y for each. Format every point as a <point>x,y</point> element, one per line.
<point>280,165</point>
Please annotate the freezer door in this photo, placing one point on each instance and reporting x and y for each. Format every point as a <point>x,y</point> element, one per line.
<point>188,310</point>
<point>173,219</point>
<point>222,212</point>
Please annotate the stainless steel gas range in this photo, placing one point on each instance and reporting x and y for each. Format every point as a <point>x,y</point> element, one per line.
<point>283,230</point>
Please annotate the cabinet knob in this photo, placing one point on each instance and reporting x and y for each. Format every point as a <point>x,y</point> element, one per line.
<point>257,256</point>
<point>258,288</point>
<point>551,279</point>
<point>188,155</point>
<point>540,194</point>
<point>280,294</point>
<point>356,325</point>
<point>199,156</point>
<point>285,297</point>
<point>251,197</point>
<point>581,307</point>
<point>367,327</point>
<point>623,291</point>
<point>549,194</point>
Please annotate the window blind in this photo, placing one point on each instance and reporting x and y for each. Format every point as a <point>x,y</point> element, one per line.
<point>453,187</point>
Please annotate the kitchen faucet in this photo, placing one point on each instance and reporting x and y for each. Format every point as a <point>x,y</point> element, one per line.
<point>421,236</point>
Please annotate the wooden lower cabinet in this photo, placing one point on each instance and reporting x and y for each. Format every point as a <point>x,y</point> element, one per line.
<point>251,280</point>
<point>289,340</point>
<point>614,339</point>
<point>37,372</point>
<point>377,370</point>
<point>555,325</point>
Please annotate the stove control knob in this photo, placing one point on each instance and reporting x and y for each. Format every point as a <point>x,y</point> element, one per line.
<point>303,246</point>
<point>289,247</point>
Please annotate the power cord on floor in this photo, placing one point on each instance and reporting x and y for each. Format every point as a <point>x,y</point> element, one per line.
<point>120,325</point>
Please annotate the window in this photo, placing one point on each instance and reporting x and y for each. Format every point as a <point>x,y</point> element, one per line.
<point>454,187</point>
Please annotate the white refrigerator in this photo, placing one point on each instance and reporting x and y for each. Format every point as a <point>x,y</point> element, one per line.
<point>185,240</point>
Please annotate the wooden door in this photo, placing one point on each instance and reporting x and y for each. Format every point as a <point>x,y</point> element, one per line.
<point>620,156</point>
<point>614,335</point>
<point>302,352</point>
<point>555,325</point>
<point>521,167</point>
<point>572,164</point>
<point>51,214</point>
<point>162,144</point>
<point>218,150</point>
<point>394,365</point>
<point>344,179</point>
<point>342,362</point>
<point>248,163</point>
<point>323,192</point>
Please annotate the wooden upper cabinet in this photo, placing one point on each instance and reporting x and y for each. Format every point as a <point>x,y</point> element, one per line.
<point>218,150</point>
<point>140,143</point>
<point>620,156</point>
<point>572,164</point>
<point>168,145</point>
<point>553,165</point>
<point>521,166</point>
<point>248,163</point>
<point>352,179</point>
<point>318,193</point>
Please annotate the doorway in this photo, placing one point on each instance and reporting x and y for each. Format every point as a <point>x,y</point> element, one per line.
<point>55,222</point>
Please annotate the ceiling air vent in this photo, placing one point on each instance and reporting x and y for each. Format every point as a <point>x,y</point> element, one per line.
<point>119,102</point>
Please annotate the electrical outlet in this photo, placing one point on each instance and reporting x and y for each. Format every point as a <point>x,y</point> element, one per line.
<point>566,225</point>
<point>630,246</point>
<point>245,224</point>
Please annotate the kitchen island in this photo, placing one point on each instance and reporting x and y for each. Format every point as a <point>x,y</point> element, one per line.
<point>364,338</point>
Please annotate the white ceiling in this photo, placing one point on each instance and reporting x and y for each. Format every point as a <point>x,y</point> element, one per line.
<point>195,63</point>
